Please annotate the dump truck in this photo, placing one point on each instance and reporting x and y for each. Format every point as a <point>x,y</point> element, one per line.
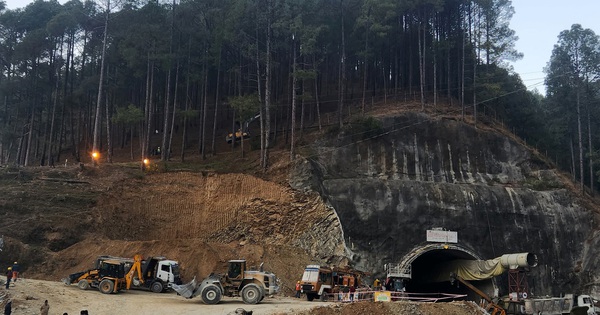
<point>321,281</point>
<point>582,304</point>
<point>251,285</point>
<point>112,274</point>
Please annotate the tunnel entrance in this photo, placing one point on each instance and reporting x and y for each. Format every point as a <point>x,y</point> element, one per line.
<point>428,276</point>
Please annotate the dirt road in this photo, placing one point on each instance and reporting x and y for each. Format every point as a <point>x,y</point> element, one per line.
<point>29,295</point>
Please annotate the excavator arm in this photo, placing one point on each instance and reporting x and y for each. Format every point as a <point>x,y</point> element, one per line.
<point>491,307</point>
<point>135,273</point>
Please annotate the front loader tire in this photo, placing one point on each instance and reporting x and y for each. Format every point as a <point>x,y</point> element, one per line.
<point>83,284</point>
<point>251,294</point>
<point>106,286</point>
<point>211,294</point>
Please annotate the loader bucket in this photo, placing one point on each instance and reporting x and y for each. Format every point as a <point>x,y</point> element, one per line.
<point>186,290</point>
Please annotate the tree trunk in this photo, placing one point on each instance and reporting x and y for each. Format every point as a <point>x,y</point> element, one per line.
<point>293,114</point>
<point>342,84</point>
<point>95,146</point>
<point>217,95</point>
<point>171,132</point>
<point>579,139</point>
<point>590,149</point>
<point>318,104</point>
<point>268,91</point>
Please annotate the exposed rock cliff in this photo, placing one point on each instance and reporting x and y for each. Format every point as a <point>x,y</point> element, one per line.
<point>417,173</point>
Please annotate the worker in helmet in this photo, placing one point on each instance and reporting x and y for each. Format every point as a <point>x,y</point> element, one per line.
<point>298,289</point>
<point>8,277</point>
<point>15,269</point>
<point>376,284</point>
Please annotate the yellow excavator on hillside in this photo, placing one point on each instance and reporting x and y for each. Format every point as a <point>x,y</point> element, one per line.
<point>242,132</point>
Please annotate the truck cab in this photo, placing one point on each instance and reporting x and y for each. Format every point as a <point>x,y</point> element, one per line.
<point>584,301</point>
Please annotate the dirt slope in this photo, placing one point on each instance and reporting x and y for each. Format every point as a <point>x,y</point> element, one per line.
<point>201,219</point>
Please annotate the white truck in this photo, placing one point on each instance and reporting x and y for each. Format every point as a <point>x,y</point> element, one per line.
<point>569,304</point>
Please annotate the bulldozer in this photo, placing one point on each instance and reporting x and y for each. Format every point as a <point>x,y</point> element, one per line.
<point>251,285</point>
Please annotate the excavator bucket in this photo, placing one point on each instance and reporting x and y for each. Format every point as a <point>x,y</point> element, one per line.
<point>186,290</point>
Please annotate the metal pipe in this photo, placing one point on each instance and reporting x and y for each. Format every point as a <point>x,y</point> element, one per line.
<point>513,261</point>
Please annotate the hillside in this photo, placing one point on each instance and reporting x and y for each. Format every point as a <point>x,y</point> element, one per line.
<point>349,199</point>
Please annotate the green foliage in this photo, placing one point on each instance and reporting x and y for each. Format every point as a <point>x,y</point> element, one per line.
<point>245,106</point>
<point>541,185</point>
<point>129,115</point>
<point>364,128</point>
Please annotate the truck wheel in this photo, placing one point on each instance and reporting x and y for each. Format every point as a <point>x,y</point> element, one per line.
<point>324,297</point>
<point>83,284</point>
<point>156,287</point>
<point>211,294</point>
<point>309,297</point>
<point>251,294</point>
<point>106,286</point>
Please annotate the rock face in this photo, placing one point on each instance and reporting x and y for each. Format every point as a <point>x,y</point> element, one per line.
<point>418,173</point>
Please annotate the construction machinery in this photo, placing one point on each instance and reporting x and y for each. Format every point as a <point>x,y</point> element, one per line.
<point>567,304</point>
<point>112,274</point>
<point>251,285</point>
<point>155,273</point>
<point>242,132</point>
<point>108,275</point>
<point>321,281</point>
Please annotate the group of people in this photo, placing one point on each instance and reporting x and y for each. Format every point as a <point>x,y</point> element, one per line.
<point>43,310</point>
<point>12,273</point>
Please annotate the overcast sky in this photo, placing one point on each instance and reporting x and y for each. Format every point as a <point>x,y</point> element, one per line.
<point>537,23</point>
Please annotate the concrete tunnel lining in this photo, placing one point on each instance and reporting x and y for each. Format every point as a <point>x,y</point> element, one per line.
<point>426,259</point>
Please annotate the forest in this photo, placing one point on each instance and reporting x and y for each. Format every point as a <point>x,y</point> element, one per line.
<point>168,78</point>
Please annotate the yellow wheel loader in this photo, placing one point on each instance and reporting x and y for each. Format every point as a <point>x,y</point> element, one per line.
<point>251,285</point>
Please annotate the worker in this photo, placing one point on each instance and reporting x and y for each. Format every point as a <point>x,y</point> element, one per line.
<point>351,291</point>
<point>376,284</point>
<point>9,275</point>
<point>45,308</point>
<point>298,289</point>
<point>15,268</point>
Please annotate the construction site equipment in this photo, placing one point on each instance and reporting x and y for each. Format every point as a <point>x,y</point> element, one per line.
<point>112,274</point>
<point>321,281</point>
<point>108,276</point>
<point>242,132</point>
<point>490,306</point>
<point>568,304</point>
<point>155,273</point>
<point>251,285</point>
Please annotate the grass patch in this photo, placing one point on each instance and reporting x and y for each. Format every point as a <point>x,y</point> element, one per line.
<point>541,185</point>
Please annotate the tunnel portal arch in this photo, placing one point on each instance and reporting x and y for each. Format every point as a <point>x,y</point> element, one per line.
<point>425,260</point>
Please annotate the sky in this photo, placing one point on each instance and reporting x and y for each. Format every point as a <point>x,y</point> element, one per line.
<point>537,23</point>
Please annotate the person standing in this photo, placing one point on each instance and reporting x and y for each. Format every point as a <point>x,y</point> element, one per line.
<point>15,268</point>
<point>352,290</point>
<point>8,277</point>
<point>8,308</point>
<point>376,284</point>
<point>298,289</point>
<point>45,308</point>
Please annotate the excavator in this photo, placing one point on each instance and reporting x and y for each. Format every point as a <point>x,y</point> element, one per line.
<point>113,274</point>
<point>242,132</point>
